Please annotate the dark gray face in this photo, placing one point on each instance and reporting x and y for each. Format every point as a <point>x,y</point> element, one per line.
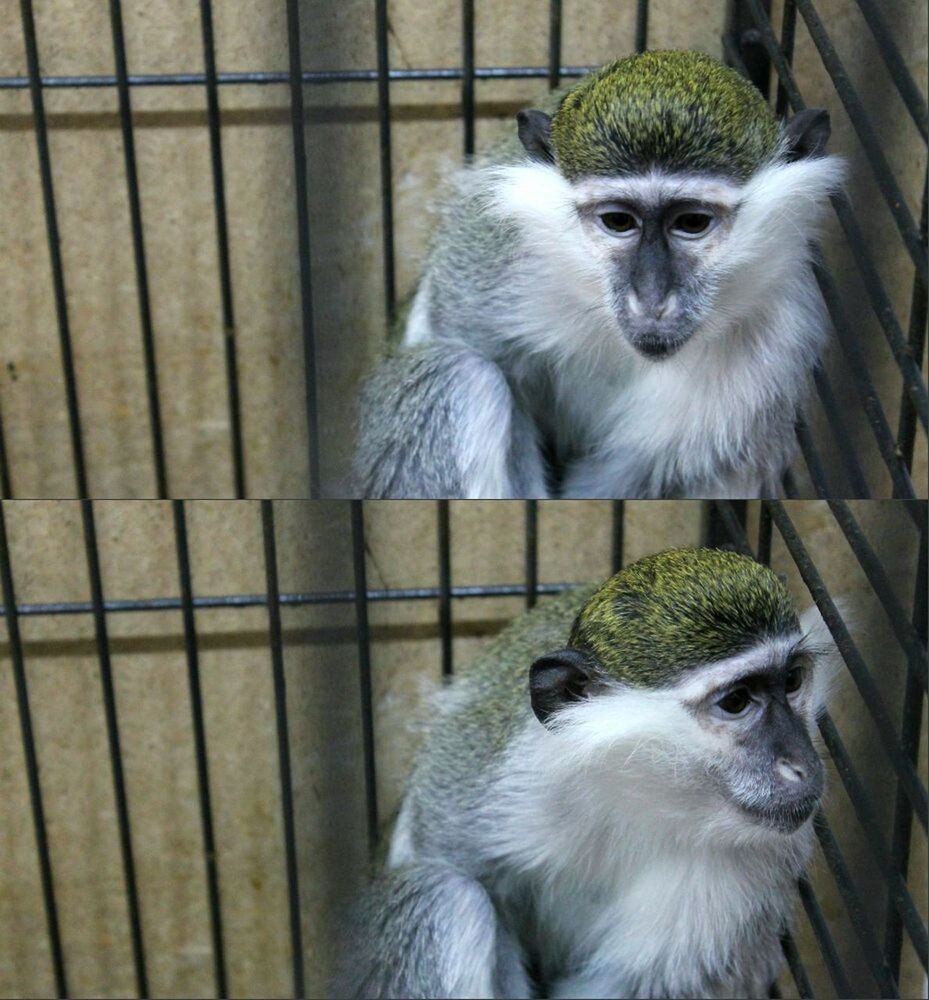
<point>771,772</point>
<point>659,261</point>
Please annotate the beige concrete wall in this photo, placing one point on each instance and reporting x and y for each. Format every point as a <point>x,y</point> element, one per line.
<point>346,236</point>
<point>138,561</point>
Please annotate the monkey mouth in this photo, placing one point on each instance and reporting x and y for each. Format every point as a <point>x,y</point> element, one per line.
<point>657,348</point>
<point>785,817</point>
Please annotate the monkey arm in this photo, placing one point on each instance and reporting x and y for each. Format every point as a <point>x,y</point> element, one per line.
<point>425,930</point>
<point>440,421</point>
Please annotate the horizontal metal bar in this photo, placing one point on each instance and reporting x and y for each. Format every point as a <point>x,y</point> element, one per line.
<point>289,599</point>
<point>282,76</point>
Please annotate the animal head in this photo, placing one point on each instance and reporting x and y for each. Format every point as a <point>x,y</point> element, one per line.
<point>693,664</point>
<point>663,183</point>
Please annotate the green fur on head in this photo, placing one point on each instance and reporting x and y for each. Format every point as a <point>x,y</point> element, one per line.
<point>682,111</point>
<point>680,609</point>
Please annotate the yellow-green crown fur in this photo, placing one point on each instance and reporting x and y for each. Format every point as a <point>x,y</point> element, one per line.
<point>679,609</point>
<point>681,111</point>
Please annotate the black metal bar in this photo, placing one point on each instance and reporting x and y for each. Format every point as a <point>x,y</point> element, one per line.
<point>898,893</point>
<point>387,186</point>
<point>789,947</point>
<point>532,552</point>
<point>724,524</point>
<point>6,484</point>
<point>870,694</point>
<point>290,599</point>
<point>618,532</point>
<point>788,38</point>
<point>909,738</point>
<point>870,143</point>
<point>364,671</point>
<point>445,586</point>
<point>271,77</point>
<point>741,38</point>
<point>303,244</point>
<point>880,301</point>
<point>222,244</point>
<point>880,583</point>
<point>283,744</point>
<point>896,66</point>
<point>554,44</point>
<point>32,763</point>
<point>641,25</point>
<point>864,384</point>
<point>824,939</point>
<point>54,247</point>
<point>467,77</point>
<point>906,427</point>
<point>138,249</point>
<point>861,923</point>
<point>200,754</point>
<point>813,462</point>
<point>851,466</point>
<point>113,740</point>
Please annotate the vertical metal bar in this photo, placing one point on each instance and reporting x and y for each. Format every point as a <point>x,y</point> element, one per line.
<point>6,486</point>
<point>467,75</point>
<point>841,435</point>
<point>303,243</point>
<point>789,947</point>
<point>283,743</point>
<point>54,248</point>
<point>387,196</point>
<point>445,587</point>
<point>716,532</point>
<point>554,43</point>
<point>364,669</point>
<point>222,241</point>
<point>641,26</point>
<point>744,39</point>
<point>764,535</point>
<point>532,552</point>
<point>138,248</point>
<point>200,753</point>
<point>619,526</point>
<point>910,738</point>
<point>32,762</point>
<point>788,38</point>
<point>824,939</point>
<point>906,428</point>
<point>116,756</point>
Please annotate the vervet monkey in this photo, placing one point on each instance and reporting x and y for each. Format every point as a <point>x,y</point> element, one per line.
<point>618,807</point>
<point>618,300</point>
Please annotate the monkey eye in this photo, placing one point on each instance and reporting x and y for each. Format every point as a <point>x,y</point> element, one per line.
<point>692,223</point>
<point>793,680</point>
<point>619,222</point>
<point>735,702</point>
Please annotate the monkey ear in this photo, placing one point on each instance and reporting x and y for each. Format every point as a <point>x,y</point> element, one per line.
<point>807,133</point>
<point>535,133</point>
<point>558,678</point>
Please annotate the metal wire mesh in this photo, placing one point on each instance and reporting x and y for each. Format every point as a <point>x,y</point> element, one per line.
<point>750,43</point>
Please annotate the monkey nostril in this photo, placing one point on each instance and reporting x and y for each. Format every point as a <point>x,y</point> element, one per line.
<point>790,771</point>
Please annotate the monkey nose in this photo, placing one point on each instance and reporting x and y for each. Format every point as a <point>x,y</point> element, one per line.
<point>790,771</point>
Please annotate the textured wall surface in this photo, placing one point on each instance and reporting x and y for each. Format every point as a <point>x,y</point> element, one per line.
<point>138,560</point>
<point>346,233</point>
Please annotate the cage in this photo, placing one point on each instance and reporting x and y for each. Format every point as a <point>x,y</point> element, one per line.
<point>209,709</point>
<point>212,212</point>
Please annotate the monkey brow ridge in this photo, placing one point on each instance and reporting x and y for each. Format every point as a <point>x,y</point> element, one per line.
<point>674,109</point>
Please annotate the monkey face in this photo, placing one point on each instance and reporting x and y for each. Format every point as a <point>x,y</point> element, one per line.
<point>658,238</point>
<point>769,769</point>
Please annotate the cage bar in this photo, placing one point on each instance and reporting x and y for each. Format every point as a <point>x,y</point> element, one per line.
<point>185,584</point>
<point>532,552</point>
<point>384,133</point>
<point>115,748</point>
<point>283,746</point>
<point>31,758</point>
<point>222,248</point>
<point>467,77</point>
<point>445,585</point>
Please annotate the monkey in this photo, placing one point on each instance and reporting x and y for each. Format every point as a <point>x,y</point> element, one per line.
<point>617,301</point>
<point>614,800</point>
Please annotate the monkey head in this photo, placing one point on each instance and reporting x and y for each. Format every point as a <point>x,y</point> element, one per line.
<point>697,659</point>
<point>660,151</point>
